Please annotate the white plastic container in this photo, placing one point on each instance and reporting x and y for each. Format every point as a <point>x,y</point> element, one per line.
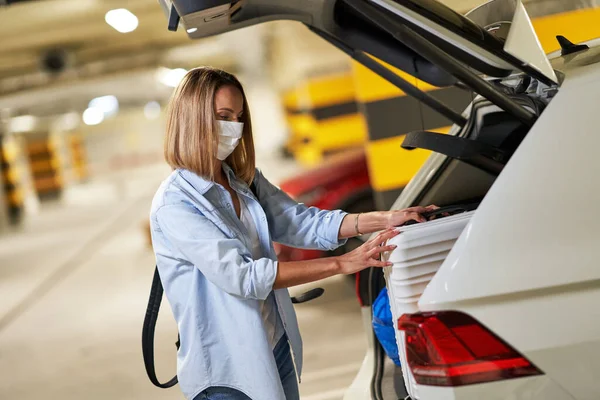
<point>422,248</point>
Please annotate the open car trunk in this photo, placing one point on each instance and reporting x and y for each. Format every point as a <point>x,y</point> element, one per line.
<point>463,167</point>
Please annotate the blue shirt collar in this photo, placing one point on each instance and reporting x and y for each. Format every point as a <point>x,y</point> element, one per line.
<point>203,185</point>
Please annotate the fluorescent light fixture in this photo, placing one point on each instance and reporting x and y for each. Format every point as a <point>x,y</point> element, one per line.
<point>170,77</point>
<point>108,104</point>
<point>152,110</point>
<point>93,116</point>
<point>67,122</point>
<point>122,20</point>
<point>23,123</point>
<point>71,120</point>
<point>192,30</point>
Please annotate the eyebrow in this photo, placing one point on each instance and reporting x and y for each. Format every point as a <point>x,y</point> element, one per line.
<point>229,109</point>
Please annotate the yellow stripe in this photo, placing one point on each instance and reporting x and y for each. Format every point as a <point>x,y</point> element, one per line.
<point>81,171</point>
<point>330,90</point>
<point>15,198</point>
<point>331,134</point>
<point>372,87</point>
<point>39,147</point>
<point>12,175</point>
<point>10,150</point>
<point>48,183</point>
<point>392,167</point>
<point>45,165</point>
<point>577,26</point>
<point>301,126</point>
<point>290,98</point>
<point>340,132</point>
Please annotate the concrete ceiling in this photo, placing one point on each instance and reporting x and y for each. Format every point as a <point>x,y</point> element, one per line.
<point>103,61</point>
<point>99,60</point>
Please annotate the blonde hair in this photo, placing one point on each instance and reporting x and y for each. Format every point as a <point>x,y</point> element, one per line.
<point>192,131</point>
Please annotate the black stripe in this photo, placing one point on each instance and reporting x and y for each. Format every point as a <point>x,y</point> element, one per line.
<point>15,213</point>
<point>400,115</point>
<point>385,199</point>
<point>335,110</point>
<point>326,112</point>
<point>40,157</point>
<point>297,111</point>
<point>392,117</point>
<point>49,194</point>
<point>455,98</point>
<point>45,174</point>
<point>9,187</point>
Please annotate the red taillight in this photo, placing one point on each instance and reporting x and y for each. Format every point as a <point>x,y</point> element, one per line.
<point>450,348</point>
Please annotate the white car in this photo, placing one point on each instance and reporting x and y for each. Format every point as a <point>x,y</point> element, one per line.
<point>512,311</point>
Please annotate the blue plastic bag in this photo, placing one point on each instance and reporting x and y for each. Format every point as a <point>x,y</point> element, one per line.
<point>383,326</point>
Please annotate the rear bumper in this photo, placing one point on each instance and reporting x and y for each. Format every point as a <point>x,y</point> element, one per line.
<point>534,388</point>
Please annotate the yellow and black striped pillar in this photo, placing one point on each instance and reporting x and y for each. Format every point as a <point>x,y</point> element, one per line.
<point>324,118</point>
<point>11,179</point>
<point>390,115</point>
<point>45,165</point>
<point>78,157</point>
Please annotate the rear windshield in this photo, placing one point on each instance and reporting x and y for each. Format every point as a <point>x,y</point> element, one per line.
<point>451,20</point>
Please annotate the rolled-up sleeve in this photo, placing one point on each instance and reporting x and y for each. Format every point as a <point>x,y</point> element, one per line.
<point>295,224</point>
<point>224,261</point>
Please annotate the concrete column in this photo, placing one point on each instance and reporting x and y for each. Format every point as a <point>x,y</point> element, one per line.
<point>266,106</point>
<point>264,100</point>
<point>17,196</point>
<point>45,162</point>
<point>4,219</point>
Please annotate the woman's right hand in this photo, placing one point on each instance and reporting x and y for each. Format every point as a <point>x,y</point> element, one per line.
<point>367,255</point>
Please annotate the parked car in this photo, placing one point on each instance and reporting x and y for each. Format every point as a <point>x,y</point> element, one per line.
<point>511,311</point>
<point>340,182</point>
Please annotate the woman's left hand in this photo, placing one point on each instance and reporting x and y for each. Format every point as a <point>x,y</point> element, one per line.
<point>399,217</point>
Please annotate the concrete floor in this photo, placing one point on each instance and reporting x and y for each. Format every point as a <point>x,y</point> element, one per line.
<point>75,281</point>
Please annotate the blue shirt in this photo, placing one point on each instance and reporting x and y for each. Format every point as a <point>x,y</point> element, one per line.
<point>215,288</point>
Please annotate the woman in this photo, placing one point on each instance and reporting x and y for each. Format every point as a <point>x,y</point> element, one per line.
<point>213,242</point>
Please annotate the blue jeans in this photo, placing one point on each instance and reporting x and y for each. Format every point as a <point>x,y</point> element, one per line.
<point>287,374</point>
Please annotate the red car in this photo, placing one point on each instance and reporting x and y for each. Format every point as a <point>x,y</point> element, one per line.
<point>341,182</point>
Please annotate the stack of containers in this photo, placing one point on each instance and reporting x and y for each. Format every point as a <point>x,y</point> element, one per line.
<point>422,248</point>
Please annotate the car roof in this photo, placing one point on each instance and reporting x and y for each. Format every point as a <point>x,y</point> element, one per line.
<point>573,61</point>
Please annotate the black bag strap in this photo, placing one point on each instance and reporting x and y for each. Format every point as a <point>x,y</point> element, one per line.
<point>477,154</point>
<point>156,294</point>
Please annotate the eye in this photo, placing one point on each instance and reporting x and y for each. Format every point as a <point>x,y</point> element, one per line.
<point>223,117</point>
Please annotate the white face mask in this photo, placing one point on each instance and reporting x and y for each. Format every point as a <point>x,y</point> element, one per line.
<point>229,137</point>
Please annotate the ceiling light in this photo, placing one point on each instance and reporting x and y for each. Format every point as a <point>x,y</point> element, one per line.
<point>23,123</point>
<point>93,116</point>
<point>67,122</point>
<point>108,104</point>
<point>152,110</point>
<point>170,77</point>
<point>122,20</point>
